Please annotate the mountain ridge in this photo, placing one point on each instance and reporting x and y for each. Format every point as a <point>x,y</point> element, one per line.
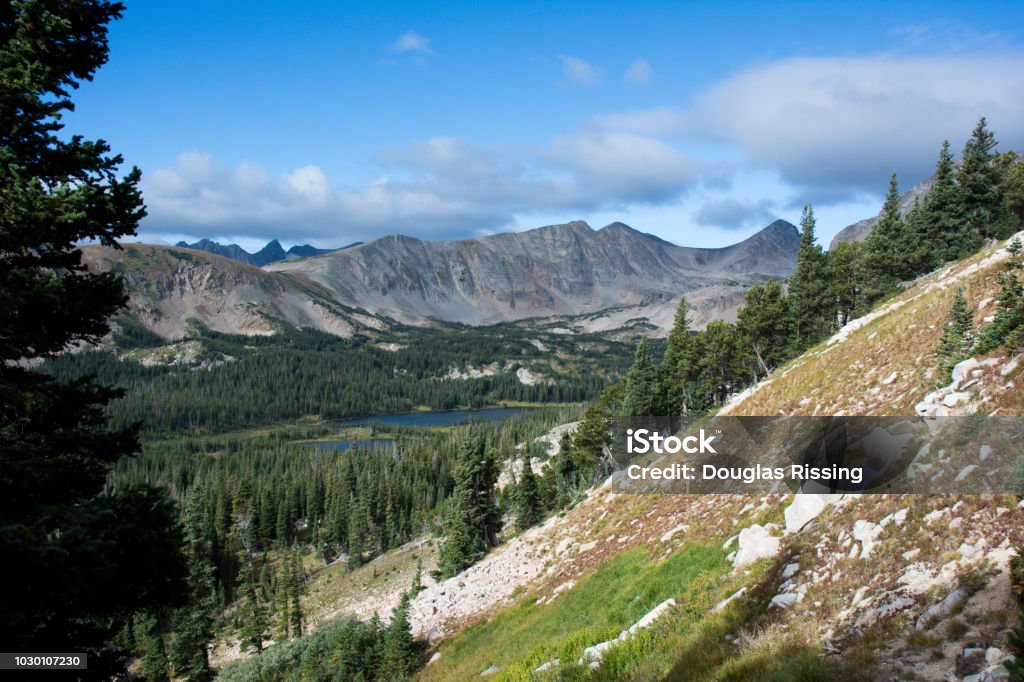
<point>565,278</point>
<point>272,252</point>
<point>554,270</point>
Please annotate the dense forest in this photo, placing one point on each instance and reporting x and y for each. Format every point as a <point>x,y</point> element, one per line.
<point>254,506</point>
<point>241,381</point>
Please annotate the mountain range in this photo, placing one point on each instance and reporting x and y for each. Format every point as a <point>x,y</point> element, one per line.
<point>270,253</point>
<point>563,277</point>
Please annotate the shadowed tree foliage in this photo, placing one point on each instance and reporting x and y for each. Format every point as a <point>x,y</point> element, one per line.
<point>79,562</point>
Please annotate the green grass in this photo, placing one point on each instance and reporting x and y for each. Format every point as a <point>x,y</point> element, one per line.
<point>598,608</point>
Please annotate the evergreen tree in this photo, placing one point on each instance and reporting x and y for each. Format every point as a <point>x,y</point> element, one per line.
<point>471,522</point>
<point>253,631</point>
<point>638,400</point>
<point>1007,329</point>
<point>764,325</point>
<point>1015,637</point>
<point>940,231</point>
<point>1010,167</point>
<point>843,261</point>
<point>677,367</point>
<point>153,655</point>
<point>529,510</point>
<point>400,654</point>
<point>294,593</point>
<point>724,363</point>
<point>812,307</point>
<point>1015,248</point>
<point>193,623</point>
<point>80,560</point>
<point>886,249</point>
<point>593,434</point>
<point>982,205</point>
<point>957,335</point>
<point>281,614</point>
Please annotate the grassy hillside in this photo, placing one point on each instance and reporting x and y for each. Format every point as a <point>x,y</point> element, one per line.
<point>852,372</point>
<point>876,587</point>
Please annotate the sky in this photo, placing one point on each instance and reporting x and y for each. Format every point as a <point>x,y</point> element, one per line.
<point>332,122</point>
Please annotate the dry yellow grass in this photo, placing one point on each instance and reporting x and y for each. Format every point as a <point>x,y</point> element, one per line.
<point>846,377</point>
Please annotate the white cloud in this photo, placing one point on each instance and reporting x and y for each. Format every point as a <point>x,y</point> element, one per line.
<point>575,69</point>
<point>839,126</point>
<point>732,214</point>
<point>450,188</point>
<point>411,41</point>
<point>638,73</point>
<point>632,166</point>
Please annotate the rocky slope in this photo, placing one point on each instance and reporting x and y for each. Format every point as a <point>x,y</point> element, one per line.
<point>594,279</point>
<point>908,587</point>
<point>169,286</point>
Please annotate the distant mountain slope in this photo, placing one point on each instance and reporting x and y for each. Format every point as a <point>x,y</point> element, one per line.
<point>270,253</point>
<point>559,270</point>
<point>169,286</point>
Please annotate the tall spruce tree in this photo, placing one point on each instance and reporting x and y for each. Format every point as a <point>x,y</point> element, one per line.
<point>79,561</point>
<point>811,305</point>
<point>940,231</point>
<point>677,367</point>
<point>293,587</point>
<point>724,362</point>
<point>471,523</point>
<point>529,510</point>
<point>843,261</point>
<point>638,400</point>
<point>193,623</point>
<point>982,205</point>
<point>400,653</point>
<point>886,249</point>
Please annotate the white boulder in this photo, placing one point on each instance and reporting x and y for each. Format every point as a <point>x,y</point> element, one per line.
<point>755,542</point>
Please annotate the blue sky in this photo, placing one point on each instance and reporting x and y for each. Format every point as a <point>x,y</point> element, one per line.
<point>330,122</point>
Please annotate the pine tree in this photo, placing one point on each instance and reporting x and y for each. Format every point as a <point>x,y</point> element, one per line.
<point>294,593</point>
<point>638,400</point>
<point>281,603</point>
<point>764,326</point>
<point>812,307</point>
<point>471,522</point>
<point>399,653</point>
<point>956,335</point>
<point>843,261</point>
<point>529,510</point>
<point>676,369</point>
<point>80,561</point>
<point>193,623</point>
<point>153,658</point>
<point>254,628</point>
<point>1015,637</point>
<point>939,228</point>
<point>723,363</point>
<point>1007,329</point>
<point>886,256</point>
<point>982,206</point>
